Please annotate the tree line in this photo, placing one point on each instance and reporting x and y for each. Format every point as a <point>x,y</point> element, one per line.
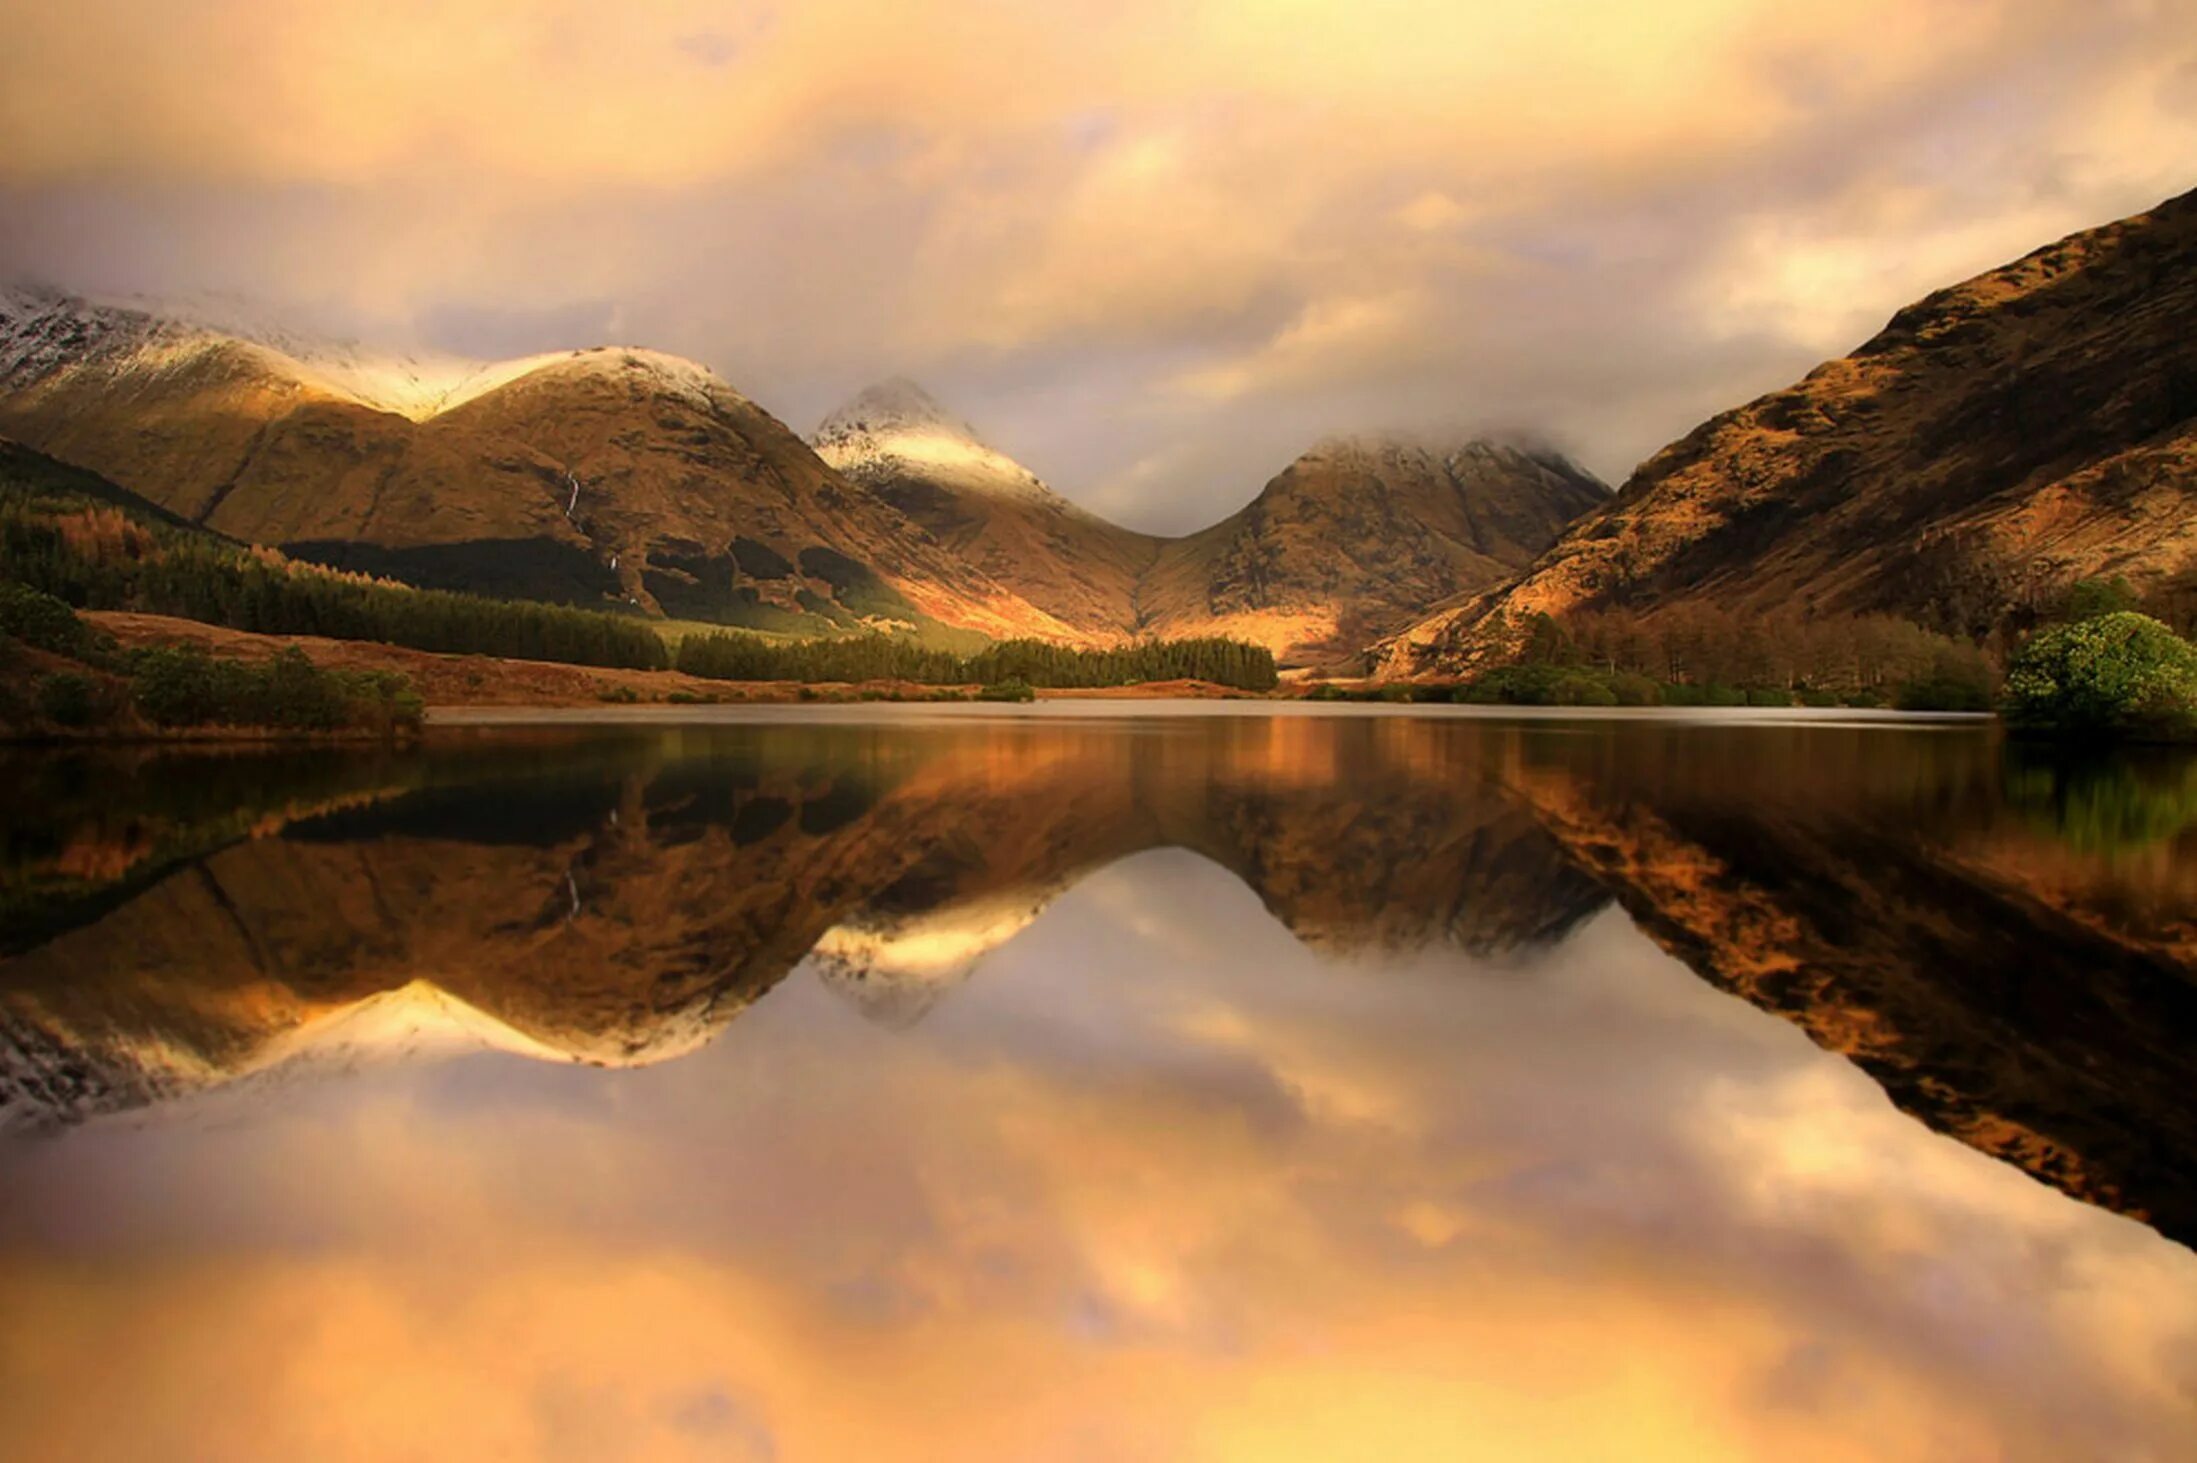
<point>58,673</point>
<point>101,558</point>
<point>730,656</point>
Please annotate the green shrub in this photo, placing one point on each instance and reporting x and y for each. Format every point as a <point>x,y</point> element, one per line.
<point>1955,681</point>
<point>1809,696</point>
<point>1008,690</point>
<point>174,686</point>
<point>1538,685</point>
<point>1714,694</point>
<point>2087,599</point>
<point>46,623</point>
<point>730,656</point>
<point>1769,696</point>
<point>68,699</point>
<point>618,695</point>
<point>1632,689</point>
<point>2116,675</point>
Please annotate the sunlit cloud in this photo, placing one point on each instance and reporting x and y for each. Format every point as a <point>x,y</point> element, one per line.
<point>1235,223</point>
<point>1162,1181</point>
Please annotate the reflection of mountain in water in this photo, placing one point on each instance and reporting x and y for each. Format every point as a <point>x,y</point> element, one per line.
<point>618,899</point>
<point>1907,915</point>
<point>623,909</point>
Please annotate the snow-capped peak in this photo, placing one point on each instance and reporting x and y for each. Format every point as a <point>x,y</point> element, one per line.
<point>45,332</point>
<point>896,429</point>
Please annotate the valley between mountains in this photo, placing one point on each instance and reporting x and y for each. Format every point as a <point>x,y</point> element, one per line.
<point>1995,443</point>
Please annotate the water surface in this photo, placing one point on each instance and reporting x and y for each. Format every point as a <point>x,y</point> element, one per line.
<point>1102,1086</point>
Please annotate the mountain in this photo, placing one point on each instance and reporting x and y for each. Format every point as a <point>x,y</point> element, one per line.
<point>1354,540</point>
<point>1358,537</point>
<point>1995,442</point>
<point>600,476</point>
<point>625,477</point>
<point>991,510</point>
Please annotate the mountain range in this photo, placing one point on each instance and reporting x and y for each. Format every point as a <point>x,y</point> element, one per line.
<point>1993,443</point>
<point>631,478</point>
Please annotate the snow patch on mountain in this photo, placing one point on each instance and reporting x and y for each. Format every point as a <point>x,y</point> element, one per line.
<point>897,429</point>
<point>45,332</point>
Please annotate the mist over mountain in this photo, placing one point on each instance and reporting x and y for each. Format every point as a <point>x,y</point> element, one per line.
<point>1995,442</point>
<point>629,478</point>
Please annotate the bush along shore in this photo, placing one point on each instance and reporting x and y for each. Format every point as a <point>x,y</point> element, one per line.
<point>1001,668</point>
<point>2098,671</point>
<point>61,679</point>
<point>1715,659</point>
<point>2117,676</point>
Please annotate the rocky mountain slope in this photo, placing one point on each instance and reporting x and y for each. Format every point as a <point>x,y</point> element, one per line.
<point>1356,538</point>
<point>627,477</point>
<point>1352,541</point>
<point>989,509</point>
<point>1996,441</point>
<point>603,476</point>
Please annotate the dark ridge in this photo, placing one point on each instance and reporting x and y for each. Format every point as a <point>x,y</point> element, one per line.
<point>28,468</point>
<point>499,568</point>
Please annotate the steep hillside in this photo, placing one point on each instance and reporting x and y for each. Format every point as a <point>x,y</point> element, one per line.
<point>627,477</point>
<point>596,476</point>
<point>1358,537</point>
<point>1996,441</point>
<point>988,509</point>
<point>1352,541</point>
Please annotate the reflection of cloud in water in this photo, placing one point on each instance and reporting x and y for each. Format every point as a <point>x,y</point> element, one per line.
<point>1165,1181</point>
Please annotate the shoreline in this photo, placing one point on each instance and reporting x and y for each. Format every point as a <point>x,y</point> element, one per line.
<point>1056,708</point>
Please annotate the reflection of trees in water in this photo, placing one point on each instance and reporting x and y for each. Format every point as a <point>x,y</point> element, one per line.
<point>620,897</point>
<point>2033,1002</point>
<point>2103,802</point>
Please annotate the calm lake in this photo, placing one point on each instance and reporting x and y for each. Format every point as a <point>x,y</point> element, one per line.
<point>1102,1083</point>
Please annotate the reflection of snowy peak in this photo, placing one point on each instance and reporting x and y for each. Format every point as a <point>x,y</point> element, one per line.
<point>895,968</point>
<point>50,1078</point>
<point>896,429</point>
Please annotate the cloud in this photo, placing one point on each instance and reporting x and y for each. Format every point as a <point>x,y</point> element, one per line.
<point>1160,1181</point>
<point>1231,222</point>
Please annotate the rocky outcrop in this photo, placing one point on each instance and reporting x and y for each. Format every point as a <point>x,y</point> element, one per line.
<point>1997,440</point>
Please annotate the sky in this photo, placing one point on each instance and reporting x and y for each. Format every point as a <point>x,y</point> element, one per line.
<point>1153,248</point>
<point>1156,1181</point>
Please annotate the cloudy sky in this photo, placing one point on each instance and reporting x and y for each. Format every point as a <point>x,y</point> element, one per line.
<point>1155,1181</point>
<point>1153,247</point>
